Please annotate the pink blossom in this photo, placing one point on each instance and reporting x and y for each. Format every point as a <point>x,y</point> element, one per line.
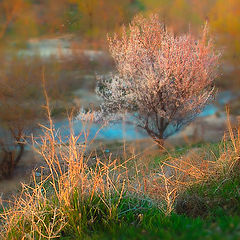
<point>165,79</point>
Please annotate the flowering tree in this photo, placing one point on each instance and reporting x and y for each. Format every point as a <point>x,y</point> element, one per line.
<point>165,80</point>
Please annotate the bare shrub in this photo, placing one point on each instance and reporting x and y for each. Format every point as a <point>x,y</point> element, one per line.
<point>21,101</point>
<point>20,107</point>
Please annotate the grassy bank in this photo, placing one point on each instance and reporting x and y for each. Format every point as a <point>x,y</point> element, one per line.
<point>190,192</point>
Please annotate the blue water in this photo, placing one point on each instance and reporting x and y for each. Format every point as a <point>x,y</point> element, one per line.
<point>110,132</point>
<point>221,99</point>
<point>128,131</point>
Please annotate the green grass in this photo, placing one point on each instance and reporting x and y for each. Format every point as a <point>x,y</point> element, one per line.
<point>146,221</point>
<point>154,225</point>
<point>210,210</point>
<point>134,218</point>
<point>222,194</point>
<point>218,216</point>
<point>151,223</point>
<point>214,149</point>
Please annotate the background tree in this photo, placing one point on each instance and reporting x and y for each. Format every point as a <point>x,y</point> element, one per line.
<point>9,12</point>
<point>19,110</point>
<point>17,22</point>
<point>225,24</point>
<point>164,79</point>
<point>21,101</point>
<point>97,17</point>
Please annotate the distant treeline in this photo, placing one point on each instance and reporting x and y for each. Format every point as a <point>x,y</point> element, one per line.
<point>90,20</point>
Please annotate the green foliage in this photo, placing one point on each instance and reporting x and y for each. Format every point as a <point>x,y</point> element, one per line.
<point>214,149</point>
<point>218,195</point>
<point>211,211</point>
<point>134,218</point>
<point>73,18</point>
<point>154,225</point>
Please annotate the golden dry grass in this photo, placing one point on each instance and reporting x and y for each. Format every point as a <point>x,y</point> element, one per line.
<point>70,168</point>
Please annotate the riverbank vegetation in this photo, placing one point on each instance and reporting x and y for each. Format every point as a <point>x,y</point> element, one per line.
<point>83,187</point>
<point>81,194</point>
<point>91,20</point>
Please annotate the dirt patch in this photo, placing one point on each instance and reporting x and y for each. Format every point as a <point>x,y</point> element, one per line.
<point>22,174</point>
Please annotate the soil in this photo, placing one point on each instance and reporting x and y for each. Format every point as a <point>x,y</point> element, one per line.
<point>22,174</point>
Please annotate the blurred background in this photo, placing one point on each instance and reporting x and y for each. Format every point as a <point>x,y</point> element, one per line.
<point>65,40</point>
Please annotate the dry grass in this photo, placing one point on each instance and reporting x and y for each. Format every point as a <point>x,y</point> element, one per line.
<point>40,211</point>
<point>176,174</point>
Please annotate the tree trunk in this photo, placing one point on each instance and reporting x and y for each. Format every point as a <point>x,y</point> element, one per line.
<point>156,137</point>
<point>20,153</point>
<point>9,161</point>
<point>160,143</point>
